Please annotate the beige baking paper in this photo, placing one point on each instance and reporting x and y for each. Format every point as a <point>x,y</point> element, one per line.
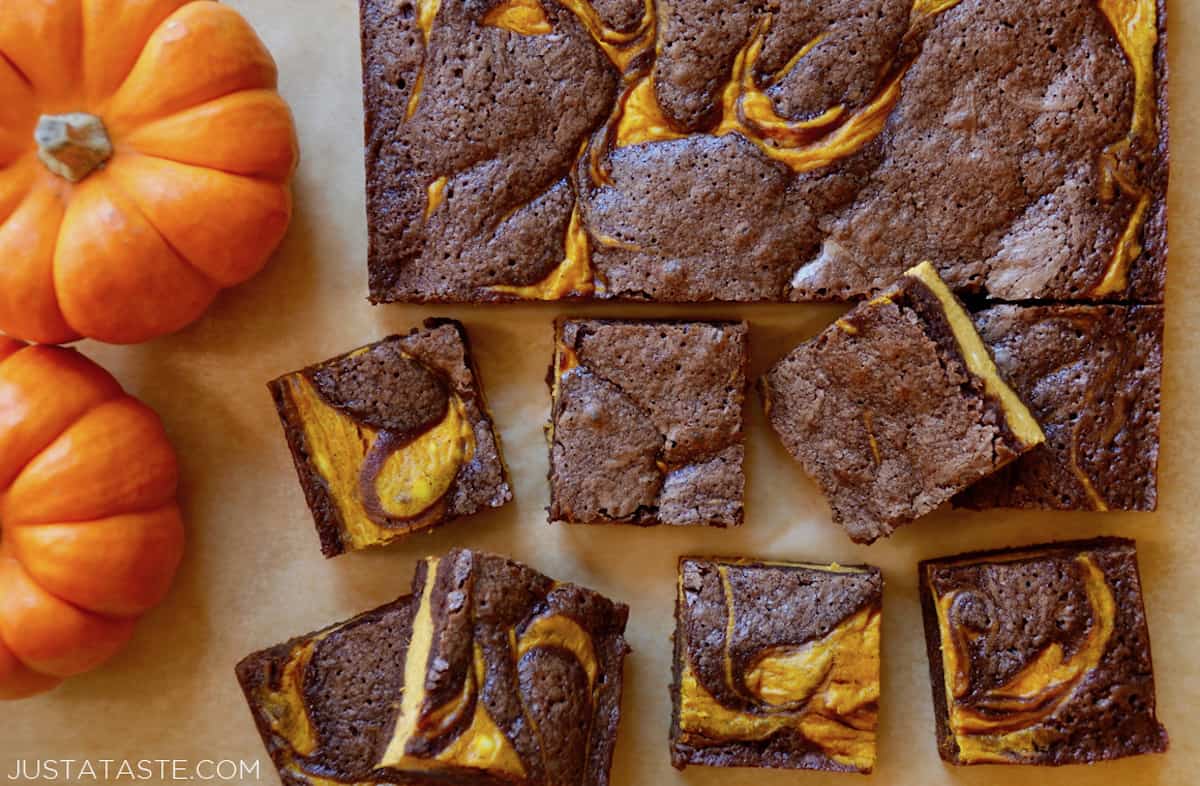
<point>254,576</point>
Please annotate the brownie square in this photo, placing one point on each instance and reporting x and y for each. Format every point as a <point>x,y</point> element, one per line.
<point>776,665</point>
<point>489,673</point>
<point>392,438</point>
<point>647,422</point>
<point>1040,655</point>
<point>719,150</point>
<point>896,407</point>
<point>1091,376</point>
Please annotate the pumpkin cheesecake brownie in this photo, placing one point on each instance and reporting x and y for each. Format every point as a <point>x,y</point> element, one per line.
<point>646,422</point>
<point>720,150</point>
<point>896,407</point>
<point>1092,378</point>
<point>776,665</point>
<point>1040,655</point>
<point>392,438</point>
<point>488,673</point>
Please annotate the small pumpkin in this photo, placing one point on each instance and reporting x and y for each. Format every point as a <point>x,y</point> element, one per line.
<point>145,161</point>
<point>90,530</point>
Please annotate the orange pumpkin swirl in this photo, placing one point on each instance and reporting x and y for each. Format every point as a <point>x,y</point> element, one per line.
<point>90,530</point>
<point>145,160</point>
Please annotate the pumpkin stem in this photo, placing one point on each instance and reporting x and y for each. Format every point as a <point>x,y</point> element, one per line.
<point>73,145</point>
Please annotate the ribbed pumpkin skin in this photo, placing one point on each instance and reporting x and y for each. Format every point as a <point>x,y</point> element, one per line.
<point>195,195</point>
<point>90,529</point>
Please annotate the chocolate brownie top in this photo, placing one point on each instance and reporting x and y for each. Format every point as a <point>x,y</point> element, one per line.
<point>513,663</point>
<point>324,702</point>
<point>384,389</point>
<point>757,645</point>
<point>359,426</point>
<point>895,408</point>
<point>483,480</point>
<point>1041,654</point>
<point>662,401</point>
<point>1091,375</point>
<point>728,150</point>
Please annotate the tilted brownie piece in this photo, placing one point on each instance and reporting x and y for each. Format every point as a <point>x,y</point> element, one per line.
<point>647,422</point>
<point>703,150</point>
<point>776,665</point>
<point>1040,655</point>
<point>324,703</point>
<point>1091,376</point>
<point>896,407</point>
<point>392,438</point>
<point>490,673</point>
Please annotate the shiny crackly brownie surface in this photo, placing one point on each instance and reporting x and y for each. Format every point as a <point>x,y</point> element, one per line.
<point>776,665</point>
<point>896,407</point>
<point>1092,377</point>
<point>1040,655</point>
<point>647,422</point>
<point>726,150</point>
<point>489,673</point>
<point>391,438</point>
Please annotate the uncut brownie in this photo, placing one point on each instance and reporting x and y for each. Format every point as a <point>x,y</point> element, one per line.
<point>1040,655</point>
<point>392,438</point>
<point>489,673</point>
<point>896,407</point>
<point>646,422</point>
<point>1091,376</point>
<point>723,150</point>
<point>776,665</point>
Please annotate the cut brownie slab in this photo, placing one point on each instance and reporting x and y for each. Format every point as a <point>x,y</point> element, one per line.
<point>896,407</point>
<point>1040,655</point>
<point>392,438</point>
<point>489,673</point>
<point>704,150</point>
<point>776,665</point>
<point>1091,376</point>
<point>647,422</point>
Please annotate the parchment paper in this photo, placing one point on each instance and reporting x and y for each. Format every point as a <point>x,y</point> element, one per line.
<point>254,576</point>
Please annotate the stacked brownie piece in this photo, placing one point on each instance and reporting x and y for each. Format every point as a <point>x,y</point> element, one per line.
<point>488,673</point>
<point>896,407</point>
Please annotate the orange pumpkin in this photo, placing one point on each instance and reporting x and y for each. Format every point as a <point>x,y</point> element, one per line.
<point>145,160</point>
<point>90,531</point>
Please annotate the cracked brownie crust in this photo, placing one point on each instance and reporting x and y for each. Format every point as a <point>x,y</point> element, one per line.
<point>701,150</point>
<point>647,422</point>
<point>1091,376</point>
<point>1040,655</point>
<point>895,408</point>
